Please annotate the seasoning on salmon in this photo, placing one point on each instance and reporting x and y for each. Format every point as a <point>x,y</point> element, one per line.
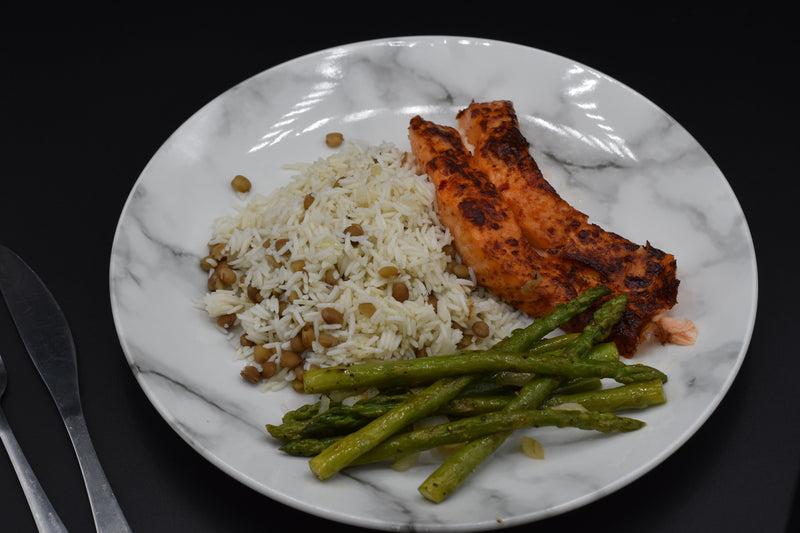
<point>485,233</point>
<point>559,235</point>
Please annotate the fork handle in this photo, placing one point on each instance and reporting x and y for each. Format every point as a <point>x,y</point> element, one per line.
<point>45,516</point>
<point>108,516</point>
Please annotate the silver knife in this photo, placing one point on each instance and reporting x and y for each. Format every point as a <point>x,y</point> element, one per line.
<point>45,332</point>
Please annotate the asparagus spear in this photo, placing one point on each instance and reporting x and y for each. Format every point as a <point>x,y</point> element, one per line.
<point>520,340</point>
<point>326,431</point>
<point>633,396</point>
<point>455,469</point>
<point>341,453</point>
<point>467,429</point>
<point>426,369</point>
<point>577,390</point>
<point>304,412</point>
<point>341,419</point>
<point>308,447</point>
<point>532,340</point>
<point>337,420</point>
<point>304,422</point>
<point>470,428</point>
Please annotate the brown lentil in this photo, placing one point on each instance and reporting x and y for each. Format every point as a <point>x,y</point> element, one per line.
<point>268,369</point>
<point>208,263</point>
<point>481,329</point>
<point>298,265</point>
<point>214,282</point>
<point>290,359</point>
<point>226,321</point>
<point>308,200</point>
<point>254,294</point>
<point>298,386</point>
<point>217,250</point>
<point>296,343</point>
<point>280,244</point>
<point>327,340</point>
<point>366,308</point>
<point>465,341</point>
<point>261,353</point>
<point>307,335</point>
<point>400,292</point>
<point>332,316</point>
<point>240,183</point>
<point>354,230</point>
<point>388,271</point>
<point>244,341</point>
<point>226,274</point>
<point>251,374</point>
<point>461,270</point>
<point>331,276</point>
<point>334,139</point>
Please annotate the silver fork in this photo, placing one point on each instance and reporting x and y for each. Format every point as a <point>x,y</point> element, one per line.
<point>45,516</point>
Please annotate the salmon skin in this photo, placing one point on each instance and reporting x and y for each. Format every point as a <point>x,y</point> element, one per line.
<point>561,239</point>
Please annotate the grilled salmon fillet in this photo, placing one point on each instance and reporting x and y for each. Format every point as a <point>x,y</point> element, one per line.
<point>501,151</point>
<point>485,233</point>
<point>645,273</point>
<point>525,243</point>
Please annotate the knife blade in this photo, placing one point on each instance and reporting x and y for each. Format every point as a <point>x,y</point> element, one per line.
<point>48,339</point>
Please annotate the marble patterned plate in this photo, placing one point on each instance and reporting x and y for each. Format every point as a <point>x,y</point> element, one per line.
<point>606,149</point>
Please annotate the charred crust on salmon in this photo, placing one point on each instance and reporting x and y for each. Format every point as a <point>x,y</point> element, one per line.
<point>484,229</point>
<point>499,191</point>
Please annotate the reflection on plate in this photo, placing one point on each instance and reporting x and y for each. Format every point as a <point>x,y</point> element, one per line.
<point>608,150</point>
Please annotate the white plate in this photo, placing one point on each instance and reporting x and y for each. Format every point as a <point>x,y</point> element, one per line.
<point>605,148</point>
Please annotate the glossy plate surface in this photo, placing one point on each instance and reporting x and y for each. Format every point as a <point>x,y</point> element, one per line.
<point>607,149</point>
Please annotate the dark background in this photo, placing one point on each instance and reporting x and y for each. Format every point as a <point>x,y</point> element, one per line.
<point>86,98</point>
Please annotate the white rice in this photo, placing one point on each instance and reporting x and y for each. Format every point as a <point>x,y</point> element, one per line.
<point>376,187</point>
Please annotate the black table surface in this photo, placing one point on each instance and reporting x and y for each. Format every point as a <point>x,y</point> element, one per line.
<point>88,97</point>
